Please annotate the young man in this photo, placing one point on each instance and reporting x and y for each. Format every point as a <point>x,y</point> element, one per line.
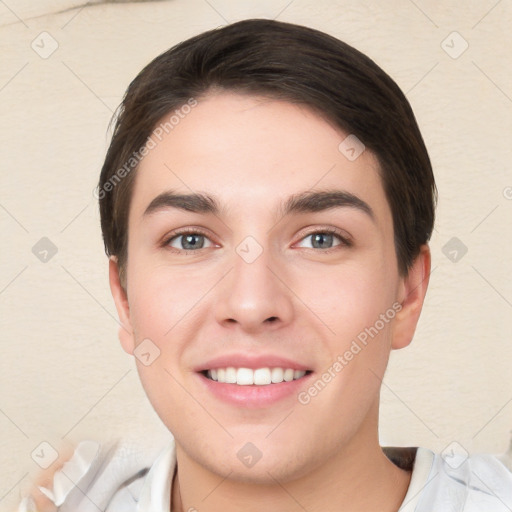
<point>266,203</point>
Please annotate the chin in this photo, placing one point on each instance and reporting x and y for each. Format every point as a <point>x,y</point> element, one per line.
<point>260,466</point>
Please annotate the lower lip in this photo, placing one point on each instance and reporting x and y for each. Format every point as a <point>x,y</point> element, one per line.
<point>253,396</point>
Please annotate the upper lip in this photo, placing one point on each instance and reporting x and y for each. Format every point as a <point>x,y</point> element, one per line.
<point>251,361</point>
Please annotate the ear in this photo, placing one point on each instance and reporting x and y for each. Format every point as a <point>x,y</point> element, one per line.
<point>411,296</point>
<point>126,336</point>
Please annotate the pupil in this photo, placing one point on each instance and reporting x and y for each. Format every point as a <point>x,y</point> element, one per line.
<point>192,242</point>
<point>320,239</point>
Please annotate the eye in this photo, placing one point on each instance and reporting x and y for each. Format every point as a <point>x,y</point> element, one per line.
<point>189,241</point>
<point>326,239</point>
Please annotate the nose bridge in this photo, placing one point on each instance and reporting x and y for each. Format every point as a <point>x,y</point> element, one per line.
<point>253,296</point>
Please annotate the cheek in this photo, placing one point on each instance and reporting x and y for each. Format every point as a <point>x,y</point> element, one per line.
<point>356,304</point>
<point>158,310</point>
<point>348,298</point>
<point>169,305</point>
<point>159,297</point>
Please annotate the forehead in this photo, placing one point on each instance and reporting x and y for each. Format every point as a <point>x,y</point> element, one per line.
<point>253,153</point>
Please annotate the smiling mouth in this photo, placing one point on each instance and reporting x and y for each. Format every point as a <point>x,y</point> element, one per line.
<point>256,377</point>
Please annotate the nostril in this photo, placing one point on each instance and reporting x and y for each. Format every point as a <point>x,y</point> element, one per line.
<point>271,319</point>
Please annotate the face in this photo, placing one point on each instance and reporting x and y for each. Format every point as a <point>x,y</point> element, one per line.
<point>259,253</point>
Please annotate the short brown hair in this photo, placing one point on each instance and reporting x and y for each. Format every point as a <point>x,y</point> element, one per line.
<point>288,62</point>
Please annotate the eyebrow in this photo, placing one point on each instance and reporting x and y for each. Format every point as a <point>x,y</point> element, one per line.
<point>316,201</point>
<point>197,203</point>
<point>309,201</point>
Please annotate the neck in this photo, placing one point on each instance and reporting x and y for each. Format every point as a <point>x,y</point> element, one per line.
<point>359,477</point>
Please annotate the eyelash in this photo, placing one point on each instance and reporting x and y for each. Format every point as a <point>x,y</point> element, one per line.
<point>344,240</point>
<point>176,234</point>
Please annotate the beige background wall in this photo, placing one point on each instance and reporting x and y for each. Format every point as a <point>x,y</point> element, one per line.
<point>63,374</point>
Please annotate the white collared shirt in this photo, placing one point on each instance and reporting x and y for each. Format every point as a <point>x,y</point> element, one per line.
<point>458,483</point>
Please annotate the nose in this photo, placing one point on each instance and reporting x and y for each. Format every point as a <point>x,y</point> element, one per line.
<point>254,296</point>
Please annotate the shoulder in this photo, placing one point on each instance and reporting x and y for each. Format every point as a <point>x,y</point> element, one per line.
<point>149,491</point>
<point>110,477</point>
<point>459,481</point>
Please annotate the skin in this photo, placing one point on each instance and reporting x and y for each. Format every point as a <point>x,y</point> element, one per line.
<point>252,154</point>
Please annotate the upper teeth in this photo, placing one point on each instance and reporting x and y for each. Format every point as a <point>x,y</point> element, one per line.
<point>259,377</point>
